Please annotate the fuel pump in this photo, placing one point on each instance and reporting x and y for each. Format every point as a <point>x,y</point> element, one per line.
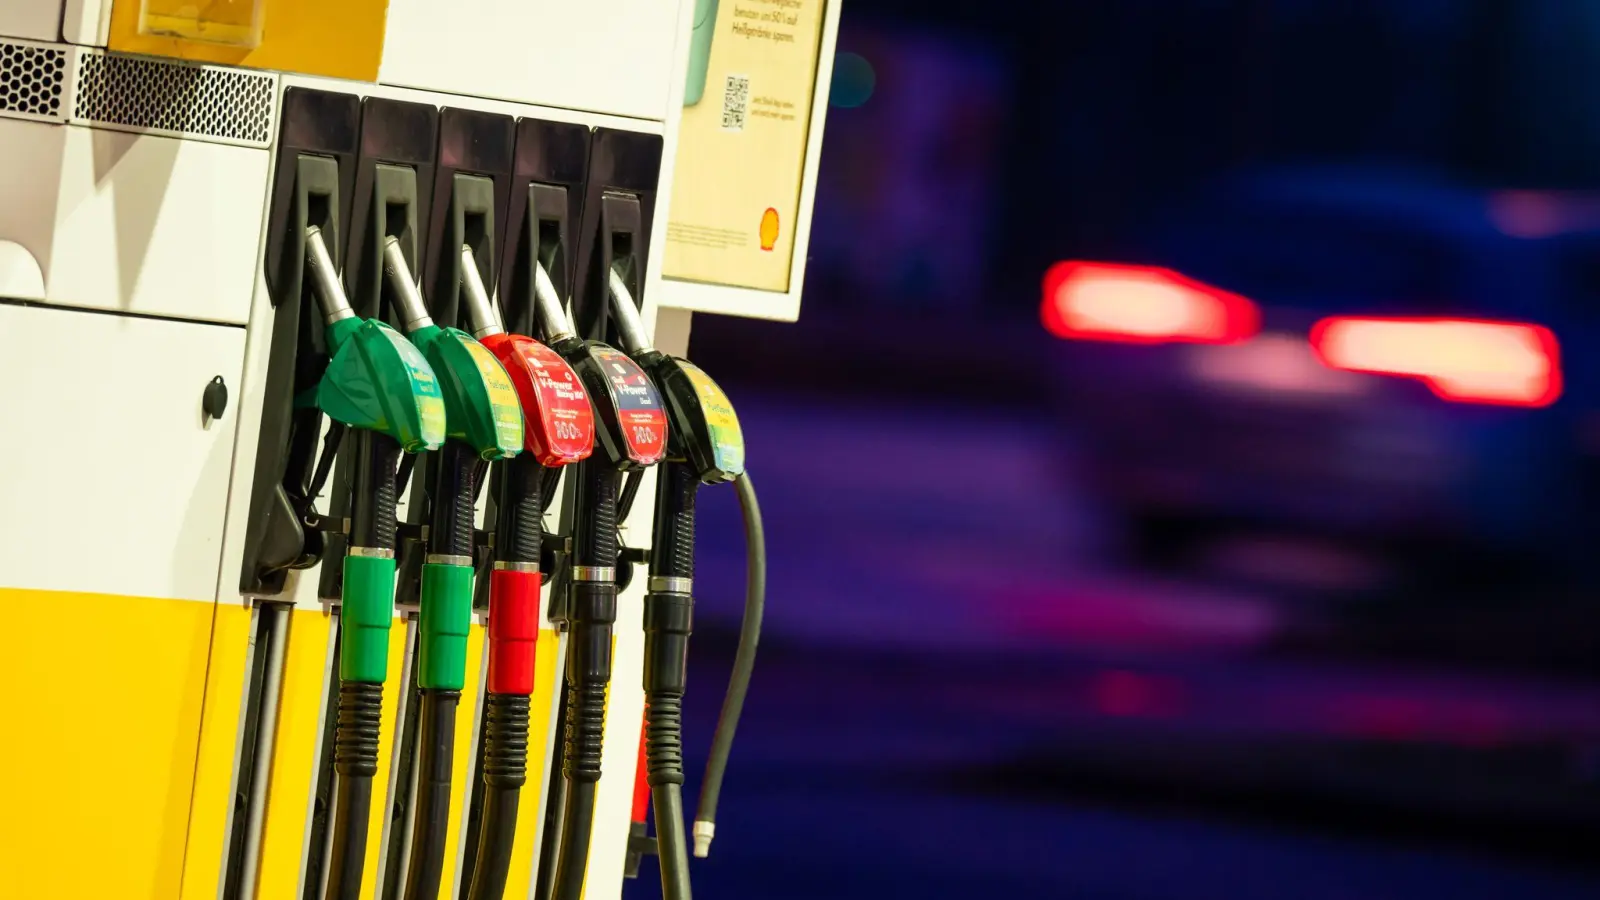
<point>559,432</point>
<point>706,446</point>
<point>631,434</point>
<point>483,422</point>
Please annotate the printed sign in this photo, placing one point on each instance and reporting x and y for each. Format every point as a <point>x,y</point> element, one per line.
<point>742,142</point>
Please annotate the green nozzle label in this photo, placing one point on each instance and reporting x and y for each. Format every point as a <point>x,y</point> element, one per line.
<point>503,403</point>
<point>480,404</point>
<point>727,438</point>
<point>424,386</point>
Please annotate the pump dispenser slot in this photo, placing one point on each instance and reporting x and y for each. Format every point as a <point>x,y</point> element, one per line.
<point>393,190</point>
<point>624,169</point>
<point>543,215</point>
<point>314,170</point>
<point>472,188</point>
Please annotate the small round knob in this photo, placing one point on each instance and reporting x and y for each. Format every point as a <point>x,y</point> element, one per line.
<point>214,402</point>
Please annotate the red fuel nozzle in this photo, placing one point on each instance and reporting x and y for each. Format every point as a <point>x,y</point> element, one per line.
<point>559,429</point>
<point>555,407</point>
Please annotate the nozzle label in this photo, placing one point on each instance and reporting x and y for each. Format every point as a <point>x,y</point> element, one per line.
<point>503,406</point>
<point>424,386</point>
<point>727,438</point>
<point>565,420</point>
<point>639,410</point>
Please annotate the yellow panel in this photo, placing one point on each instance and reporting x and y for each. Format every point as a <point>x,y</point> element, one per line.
<point>314,37</point>
<point>112,716</point>
<point>462,768</point>
<point>519,879</point>
<point>398,635</point>
<point>219,735</point>
<point>294,753</point>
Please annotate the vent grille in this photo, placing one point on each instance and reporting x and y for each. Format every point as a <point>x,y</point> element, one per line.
<point>199,101</point>
<point>31,79</point>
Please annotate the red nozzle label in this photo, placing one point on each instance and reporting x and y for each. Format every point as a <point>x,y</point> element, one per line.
<point>555,406</point>
<point>640,414</point>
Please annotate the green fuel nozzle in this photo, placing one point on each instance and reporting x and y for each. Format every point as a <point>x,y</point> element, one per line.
<point>480,403</point>
<point>384,388</point>
<point>483,421</point>
<point>376,381</point>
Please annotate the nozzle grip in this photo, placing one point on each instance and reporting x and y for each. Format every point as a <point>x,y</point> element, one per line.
<point>446,619</point>
<point>365,618</point>
<point>672,544</point>
<point>513,631</point>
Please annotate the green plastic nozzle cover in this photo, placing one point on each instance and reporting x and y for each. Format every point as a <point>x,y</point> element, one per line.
<point>378,380</point>
<point>481,406</point>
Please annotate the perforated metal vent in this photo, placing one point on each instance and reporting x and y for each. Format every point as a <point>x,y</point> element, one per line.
<point>31,79</point>
<point>148,94</point>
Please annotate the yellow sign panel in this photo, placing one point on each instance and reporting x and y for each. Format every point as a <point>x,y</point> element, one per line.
<point>311,37</point>
<point>742,142</point>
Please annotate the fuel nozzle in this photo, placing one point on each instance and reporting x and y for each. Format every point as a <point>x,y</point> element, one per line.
<point>706,446</point>
<point>630,325</point>
<point>382,386</point>
<point>559,430</point>
<point>631,434</point>
<point>325,276</point>
<point>480,309</point>
<point>551,311</point>
<point>406,297</point>
<point>480,404</point>
<point>483,423</point>
<point>376,381</point>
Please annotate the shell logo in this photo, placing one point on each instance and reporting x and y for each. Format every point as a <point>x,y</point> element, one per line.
<point>769,229</point>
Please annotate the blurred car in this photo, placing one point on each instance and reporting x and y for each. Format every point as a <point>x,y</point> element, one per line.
<point>1363,374</point>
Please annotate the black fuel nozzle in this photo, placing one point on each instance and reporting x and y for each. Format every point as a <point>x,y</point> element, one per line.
<point>631,434</point>
<point>706,445</point>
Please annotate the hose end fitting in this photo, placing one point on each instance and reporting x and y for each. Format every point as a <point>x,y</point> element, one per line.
<point>703,833</point>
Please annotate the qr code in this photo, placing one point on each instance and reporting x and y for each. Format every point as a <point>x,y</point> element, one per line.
<point>735,102</point>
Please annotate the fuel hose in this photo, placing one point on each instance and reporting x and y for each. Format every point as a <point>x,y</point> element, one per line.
<point>668,621</point>
<point>593,614</point>
<point>513,640</point>
<point>744,662</point>
<point>365,615</point>
<point>445,619</point>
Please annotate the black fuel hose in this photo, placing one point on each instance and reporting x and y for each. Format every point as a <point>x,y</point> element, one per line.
<point>593,613</point>
<point>744,662</point>
<point>519,534</point>
<point>449,548</point>
<point>360,704</point>
<point>668,622</point>
<point>435,758</point>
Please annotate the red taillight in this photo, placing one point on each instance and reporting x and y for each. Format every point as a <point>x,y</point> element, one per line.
<point>1506,363</point>
<point>1142,305</point>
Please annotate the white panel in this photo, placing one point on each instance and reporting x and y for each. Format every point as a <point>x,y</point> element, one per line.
<point>606,56</point>
<point>86,22</point>
<point>112,480</point>
<point>39,20</point>
<point>135,222</point>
